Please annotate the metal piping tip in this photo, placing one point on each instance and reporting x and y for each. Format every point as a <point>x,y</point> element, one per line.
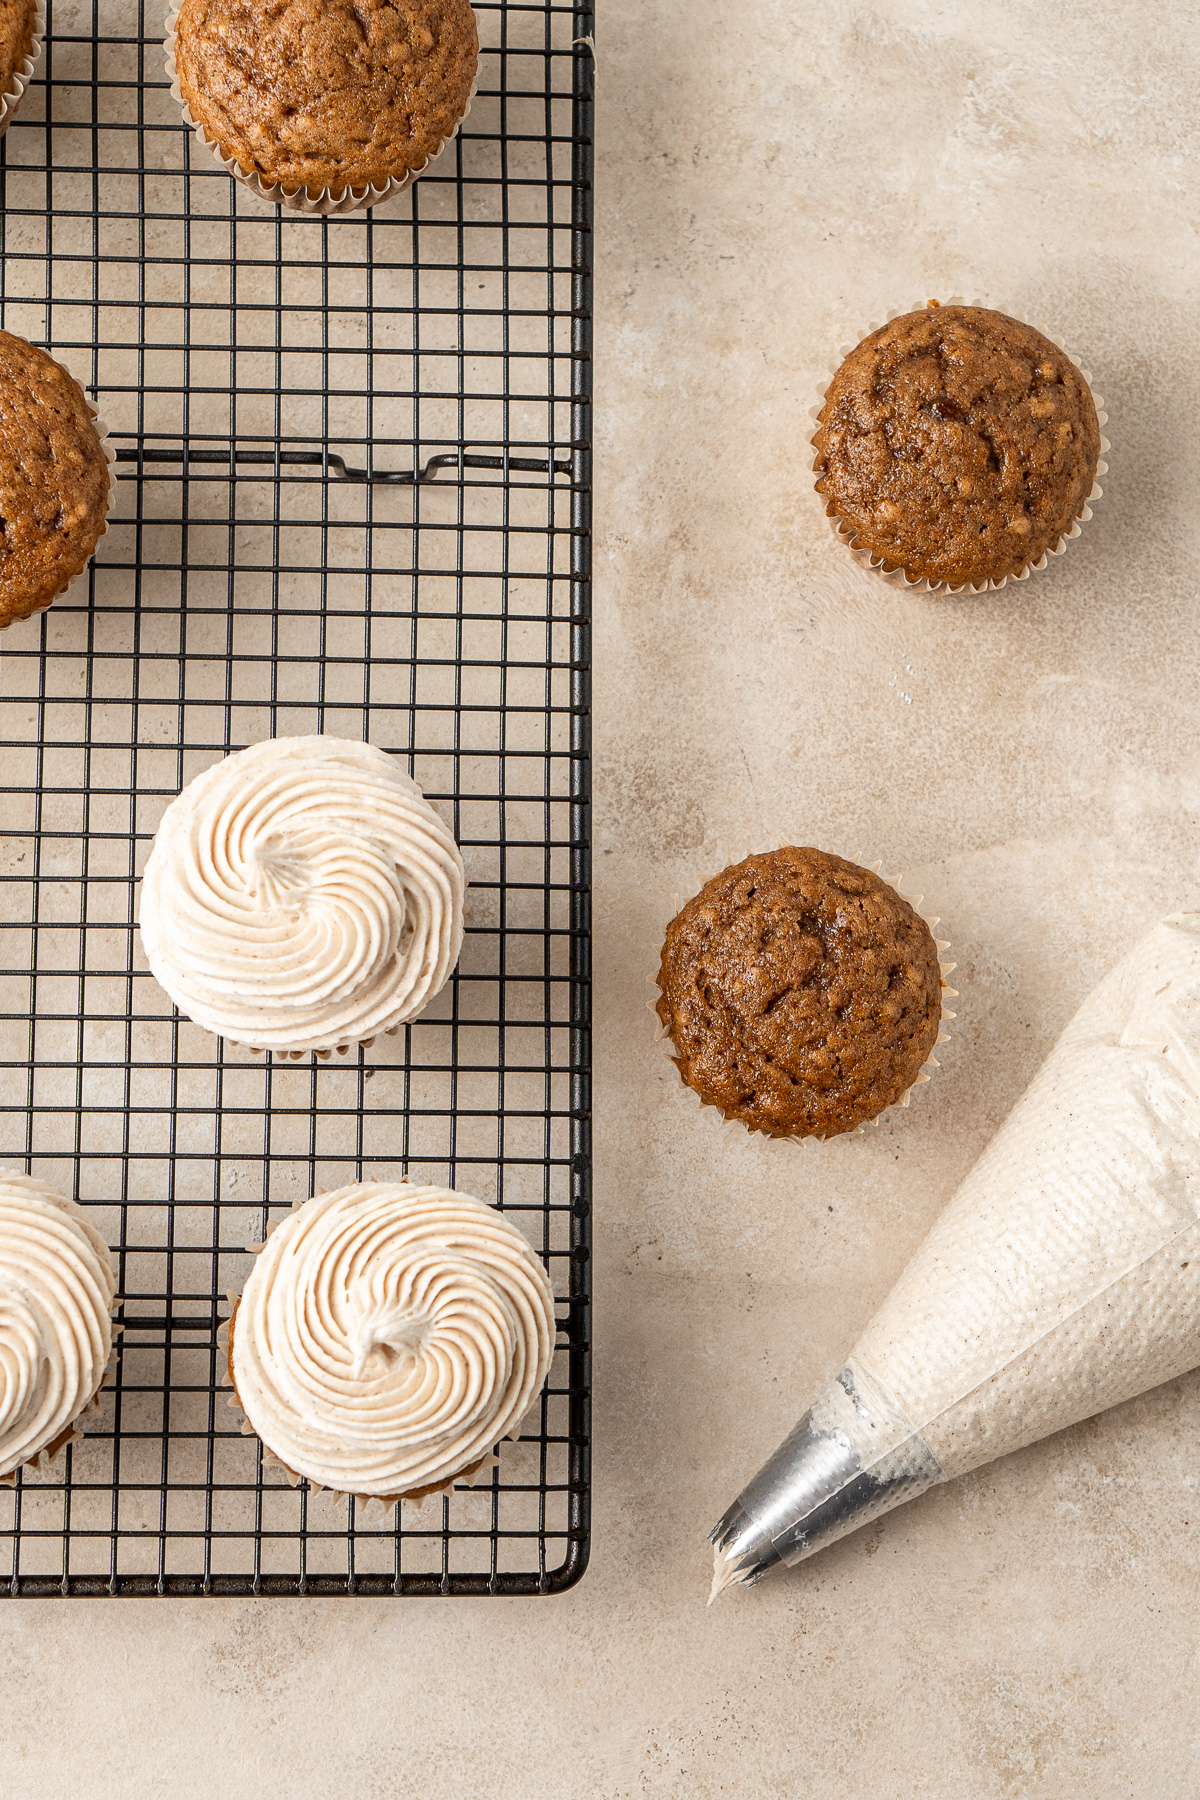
<point>852,1457</point>
<point>739,1556</point>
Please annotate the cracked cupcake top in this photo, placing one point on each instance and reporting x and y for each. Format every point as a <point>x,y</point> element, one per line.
<point>53,479</point>
<point>327,93</point>
<point>802,993</point>
<point>957,444</point>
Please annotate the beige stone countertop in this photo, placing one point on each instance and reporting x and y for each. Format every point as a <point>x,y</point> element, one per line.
<point>772,179</point>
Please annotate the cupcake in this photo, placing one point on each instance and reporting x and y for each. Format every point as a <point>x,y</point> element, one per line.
<point>325,101</point>
<point>388,1337</point>
<point>54,479</point>
<point>802,994</point>
<point>302,895</point>
<point>957,446</point>
<point>56,1295</point>
<point>22,24</point>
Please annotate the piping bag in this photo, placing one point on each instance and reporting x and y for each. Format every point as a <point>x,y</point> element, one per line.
<point>1063,1277</point>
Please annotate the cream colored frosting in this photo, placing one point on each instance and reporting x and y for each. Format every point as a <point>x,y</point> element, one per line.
<point>1064,1276</point>
<point>389,1336</point>
<point>302,895</point>
<point>56,1293</point>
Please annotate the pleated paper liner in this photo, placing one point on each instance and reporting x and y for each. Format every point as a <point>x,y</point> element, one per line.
<point>323,201</point>
<point>895,575</point>
<point>321,1055</point>
<point>22,73</point>
<point>326,1052</point>
<point>48,1455</point>
<point>711,1116</point>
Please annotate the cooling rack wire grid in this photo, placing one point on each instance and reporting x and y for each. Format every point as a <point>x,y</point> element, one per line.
<point>354,497</point>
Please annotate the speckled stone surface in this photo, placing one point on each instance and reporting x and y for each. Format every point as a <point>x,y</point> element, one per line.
<point>1028,760</point>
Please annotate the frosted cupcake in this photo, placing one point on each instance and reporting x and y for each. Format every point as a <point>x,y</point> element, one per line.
<point>802,994</point>
<point>54,479</point>
<point>56,1295</point>
<point>302,895</point>
<point>389,1337</point>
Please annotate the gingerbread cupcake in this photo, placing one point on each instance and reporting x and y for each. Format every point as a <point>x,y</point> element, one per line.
<point>389,1337</point>
<point>303,895</point>
<point>958,448</point>
<point>324,105</point>
<point>57,1287</point>
<point>54,479</point>
<point>22,27</point>
<point>801,993</point>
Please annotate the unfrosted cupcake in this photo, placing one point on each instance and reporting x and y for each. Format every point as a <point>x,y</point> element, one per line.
<point>22,23</point>
<point>802,994</point>
<point>302,895</point>
<point>389,1337</point>
<point>325,97</point>
<point>54,479</point>
<point>57,1287</point>
<point>957,445</point>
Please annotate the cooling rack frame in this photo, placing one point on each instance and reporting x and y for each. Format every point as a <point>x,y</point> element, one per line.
<point>119,175</point>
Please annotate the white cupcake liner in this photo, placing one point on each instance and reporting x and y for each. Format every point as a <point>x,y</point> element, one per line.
<point>110,457</point>
<point>326,201</point>
<point>879,565</point>
<point>22,74</point>
<point>468,1478</point>
<point>323,1055</point>
<point>708,1113</point>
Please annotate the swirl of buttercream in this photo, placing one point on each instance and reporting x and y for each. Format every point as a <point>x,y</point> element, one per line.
<point>56,1293</point>
<point>389,1336</point>
<point>302,895</point>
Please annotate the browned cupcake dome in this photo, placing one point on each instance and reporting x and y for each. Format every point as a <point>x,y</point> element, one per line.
<point>53,479</point>
<point>802,993</point>
<point>324,93</point>
<point>957,444</point>
<point>17,20</point>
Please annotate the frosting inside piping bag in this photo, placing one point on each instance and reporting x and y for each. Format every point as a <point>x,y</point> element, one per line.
<point>1062,1278</point>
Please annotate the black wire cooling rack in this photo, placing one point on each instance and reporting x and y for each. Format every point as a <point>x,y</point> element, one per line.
<point>354,497</point>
